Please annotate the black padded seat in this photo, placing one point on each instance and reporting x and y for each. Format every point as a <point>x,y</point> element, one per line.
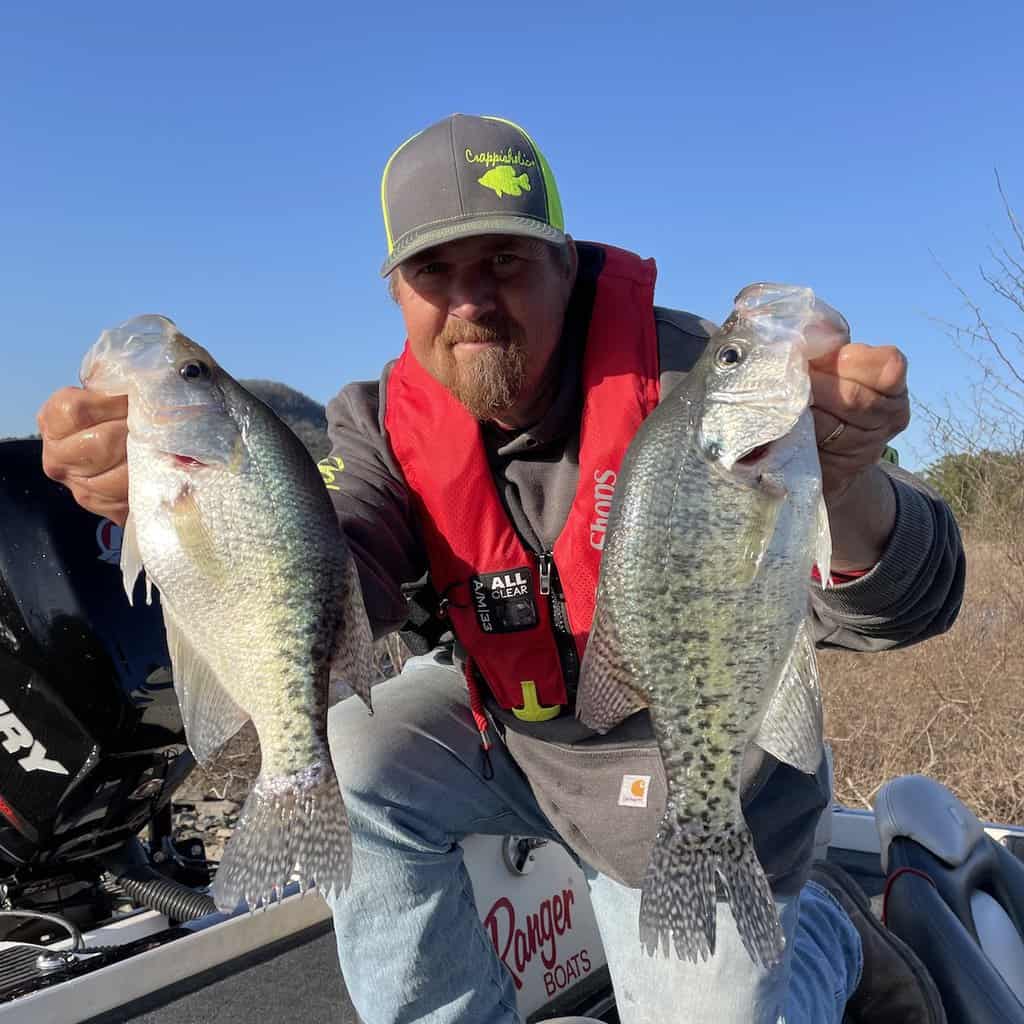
<point>956,897</point>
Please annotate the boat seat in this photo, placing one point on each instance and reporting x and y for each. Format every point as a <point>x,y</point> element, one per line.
<point>956,897</point>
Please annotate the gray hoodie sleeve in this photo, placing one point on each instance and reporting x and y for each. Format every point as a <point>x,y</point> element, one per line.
<point>914,591</point>
<point>372,502</point>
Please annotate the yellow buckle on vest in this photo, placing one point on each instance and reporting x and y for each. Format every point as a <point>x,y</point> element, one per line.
<point>532,710</point>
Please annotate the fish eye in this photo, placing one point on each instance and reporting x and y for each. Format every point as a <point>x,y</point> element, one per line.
<point>194,370</point>
<point>729,355</point>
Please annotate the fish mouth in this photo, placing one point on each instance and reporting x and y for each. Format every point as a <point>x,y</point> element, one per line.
<point>185,461</point>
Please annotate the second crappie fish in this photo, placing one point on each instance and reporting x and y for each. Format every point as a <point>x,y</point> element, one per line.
<point>230,520</point>
<point>703,604</point>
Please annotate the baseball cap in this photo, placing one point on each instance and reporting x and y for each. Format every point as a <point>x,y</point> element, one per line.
<point>466,176</point>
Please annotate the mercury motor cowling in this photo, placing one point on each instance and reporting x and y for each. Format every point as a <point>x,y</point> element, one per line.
<point>91,740</point>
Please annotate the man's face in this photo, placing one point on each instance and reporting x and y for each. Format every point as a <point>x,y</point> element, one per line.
<point>484,316</point>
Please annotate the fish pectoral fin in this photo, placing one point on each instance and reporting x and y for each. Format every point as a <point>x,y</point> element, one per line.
<point>131,560</point>
<point>605,696</point>
<point>823,545</point>
<point>210,715</point>
<point>352,658</point>
<point>757,535</point>
<point>791,729</point>
<point>194,535</point>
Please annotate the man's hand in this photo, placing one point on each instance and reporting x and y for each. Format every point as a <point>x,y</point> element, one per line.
<point>861,392</point>
<point>860,404</point>
<point>84,448</point>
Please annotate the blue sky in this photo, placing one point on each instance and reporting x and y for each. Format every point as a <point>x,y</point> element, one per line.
<point>220,163</point>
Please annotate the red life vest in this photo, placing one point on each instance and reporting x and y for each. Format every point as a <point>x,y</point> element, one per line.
<point>496,589</point>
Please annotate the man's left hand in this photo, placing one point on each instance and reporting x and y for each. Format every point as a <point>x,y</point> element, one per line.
<point>860,404</point>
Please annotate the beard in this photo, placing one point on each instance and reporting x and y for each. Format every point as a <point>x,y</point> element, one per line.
<point>490,381</point>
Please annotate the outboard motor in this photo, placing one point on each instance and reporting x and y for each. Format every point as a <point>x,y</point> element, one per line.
<point>91,740</point>
<point>956,897</point>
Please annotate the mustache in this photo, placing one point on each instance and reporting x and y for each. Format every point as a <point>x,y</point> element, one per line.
<point>491,329</point>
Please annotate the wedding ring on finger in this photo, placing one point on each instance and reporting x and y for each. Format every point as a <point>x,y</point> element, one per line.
<point>833,435</point>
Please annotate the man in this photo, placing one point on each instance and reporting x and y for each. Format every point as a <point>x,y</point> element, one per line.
<point>467,461</point>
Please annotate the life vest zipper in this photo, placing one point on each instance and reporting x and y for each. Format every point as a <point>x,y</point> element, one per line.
<point>551,588</point>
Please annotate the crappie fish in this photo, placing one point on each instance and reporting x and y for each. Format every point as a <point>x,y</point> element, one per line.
<point>703,604</point>
<point>230,520</point>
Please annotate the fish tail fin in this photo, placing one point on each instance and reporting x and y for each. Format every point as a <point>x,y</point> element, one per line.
<point>524,181</point>
<point>679,900</point>
<point>290,824</point>
<point>751,902</point>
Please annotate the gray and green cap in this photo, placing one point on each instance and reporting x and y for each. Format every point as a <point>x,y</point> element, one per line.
<point>467,176</point>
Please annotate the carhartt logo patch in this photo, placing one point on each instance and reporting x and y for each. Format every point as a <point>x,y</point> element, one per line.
<point>633,791</point>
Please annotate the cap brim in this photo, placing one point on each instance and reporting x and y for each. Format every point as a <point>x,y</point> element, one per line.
<point>469,227</point>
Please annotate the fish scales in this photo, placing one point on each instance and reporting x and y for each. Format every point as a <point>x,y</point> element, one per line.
<point>267,575</point>
<point>231,522</point>
<point>715,523</point>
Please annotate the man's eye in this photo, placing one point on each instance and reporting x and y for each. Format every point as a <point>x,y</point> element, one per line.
<point>505,259</point>
<point>430,269</point>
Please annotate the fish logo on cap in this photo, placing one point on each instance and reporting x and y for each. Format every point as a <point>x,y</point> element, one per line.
<point>505,182</point>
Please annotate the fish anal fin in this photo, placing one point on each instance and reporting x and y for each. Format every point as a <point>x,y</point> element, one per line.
<point>791,729</point>
<point>210,715</point>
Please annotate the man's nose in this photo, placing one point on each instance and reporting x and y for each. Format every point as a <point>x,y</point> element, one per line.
<point>471,296</point>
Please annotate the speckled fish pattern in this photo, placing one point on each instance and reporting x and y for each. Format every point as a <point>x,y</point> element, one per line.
<point>702,609</point>
<point>231,522</point>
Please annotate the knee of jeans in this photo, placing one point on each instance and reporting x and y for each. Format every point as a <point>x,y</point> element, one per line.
<point>392,772</point>
<point>359,761</point>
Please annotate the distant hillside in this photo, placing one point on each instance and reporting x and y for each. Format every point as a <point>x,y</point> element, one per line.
<point>303,414</point>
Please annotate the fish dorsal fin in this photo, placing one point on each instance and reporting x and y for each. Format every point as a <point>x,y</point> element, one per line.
<point>605,697</point>
<point>352,657</point>
<point>131,561</point>
<point>792,726</point>
<point>210,715</point>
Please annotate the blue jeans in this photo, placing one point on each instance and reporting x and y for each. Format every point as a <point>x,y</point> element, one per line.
<point>410,941</point>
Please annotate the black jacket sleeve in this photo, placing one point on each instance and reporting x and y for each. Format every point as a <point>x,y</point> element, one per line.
<point>372,502</point>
